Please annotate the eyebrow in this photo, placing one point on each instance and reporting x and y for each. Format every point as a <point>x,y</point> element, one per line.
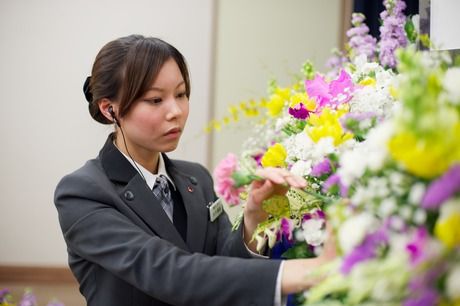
<point>161,89</point>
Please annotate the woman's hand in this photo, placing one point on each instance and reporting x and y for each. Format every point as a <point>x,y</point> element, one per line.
<point>275,181</point>
<point>296,276</point>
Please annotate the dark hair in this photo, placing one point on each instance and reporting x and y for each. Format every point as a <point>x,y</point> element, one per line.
<point>125,68</point>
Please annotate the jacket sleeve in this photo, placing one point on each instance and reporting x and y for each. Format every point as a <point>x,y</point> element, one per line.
<point>94,230</point>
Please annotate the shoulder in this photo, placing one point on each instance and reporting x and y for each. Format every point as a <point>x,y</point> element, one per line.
<point>87,178</point>
<point>192,169</point>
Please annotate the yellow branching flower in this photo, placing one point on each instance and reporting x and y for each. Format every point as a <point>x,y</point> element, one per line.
<point>448,231</point>
<point>276,103</point>
<point>275,156</point>
<point>327,124</point>
<point>233,110</point>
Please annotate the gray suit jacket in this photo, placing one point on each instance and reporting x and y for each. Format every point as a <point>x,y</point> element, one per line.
<point>124,251</point>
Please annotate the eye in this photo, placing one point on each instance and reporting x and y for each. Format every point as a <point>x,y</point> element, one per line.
<point>154,100</point>
<point>181,95</point>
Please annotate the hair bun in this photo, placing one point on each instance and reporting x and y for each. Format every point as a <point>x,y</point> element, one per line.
<point>87,90</point>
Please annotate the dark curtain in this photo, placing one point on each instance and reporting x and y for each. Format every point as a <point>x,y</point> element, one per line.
<point>372,8</point>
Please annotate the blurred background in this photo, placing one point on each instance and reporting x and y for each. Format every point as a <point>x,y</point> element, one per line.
<point>233,47</point>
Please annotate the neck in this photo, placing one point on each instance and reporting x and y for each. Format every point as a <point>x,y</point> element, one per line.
<point>147,159</point>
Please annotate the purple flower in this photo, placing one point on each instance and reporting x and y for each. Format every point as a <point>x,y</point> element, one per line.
<point>367,250</point>
<point>3,294</point>
<point>359,39</point>
<point>286,228</point>
<point>442,189</point>
<point>424,298</point>
<point>334,180</point>
<point>28,299</point>
<point>417,245</point>
<point>323,167</point>
<point>299,111</point>
<point>317,214</point>
<point>392,34</point>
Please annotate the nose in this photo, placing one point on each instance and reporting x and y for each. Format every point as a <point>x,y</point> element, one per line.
<point>174,109</point>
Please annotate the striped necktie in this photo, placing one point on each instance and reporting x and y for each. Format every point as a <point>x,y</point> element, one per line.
<point>161,191</point>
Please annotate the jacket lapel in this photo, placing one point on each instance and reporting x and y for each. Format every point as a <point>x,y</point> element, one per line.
<point>194,202</point>
<point>137,195</point>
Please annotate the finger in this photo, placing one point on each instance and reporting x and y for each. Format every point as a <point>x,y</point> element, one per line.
<point>272,174</point>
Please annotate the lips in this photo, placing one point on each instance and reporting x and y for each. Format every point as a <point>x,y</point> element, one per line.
<point>173,131</point>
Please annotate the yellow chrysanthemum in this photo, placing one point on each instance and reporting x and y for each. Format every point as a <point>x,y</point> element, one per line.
<point>276,103</point>
<point>448,231</point>
<point>275,156</point>
<point>327,124</point>
<point>367,82</point>
<point>426,157</point>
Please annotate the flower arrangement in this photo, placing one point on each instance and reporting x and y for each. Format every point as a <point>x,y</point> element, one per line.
<point>28,299</point>
<point>378,140</point>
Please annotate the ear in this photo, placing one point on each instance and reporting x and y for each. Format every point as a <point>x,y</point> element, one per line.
<point>104,105</point>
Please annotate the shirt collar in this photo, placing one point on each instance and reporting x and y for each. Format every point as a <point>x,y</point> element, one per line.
<point>150,178</point>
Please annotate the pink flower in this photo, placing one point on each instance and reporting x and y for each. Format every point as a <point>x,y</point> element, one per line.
<point>318,89</point>
<point>339,91</point>
<point>225,185</point>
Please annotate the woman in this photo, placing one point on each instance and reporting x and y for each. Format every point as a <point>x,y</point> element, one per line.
<point>137,224</point>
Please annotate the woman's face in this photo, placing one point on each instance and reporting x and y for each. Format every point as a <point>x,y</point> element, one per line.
<point>156,121</point>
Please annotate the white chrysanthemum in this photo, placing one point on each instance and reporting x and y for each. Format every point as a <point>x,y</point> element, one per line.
<point>416,193</point>
<point>419,216</point>
<point>453,283</point>
<point>353,231</point>
<point>387,207</point>
<point>322,148</point>
<point>282,122</point>
<point>298,146</point>
<point>352,165</point>
<point>452,84</point>
<point>378,186</point>
<point>313,231</point>
<point>370,99</point>
<point>301,168</point>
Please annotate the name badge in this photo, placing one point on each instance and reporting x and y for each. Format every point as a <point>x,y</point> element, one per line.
<point>215,209</point>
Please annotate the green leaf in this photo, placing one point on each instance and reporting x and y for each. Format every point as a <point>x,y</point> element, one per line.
<point>277,205</point>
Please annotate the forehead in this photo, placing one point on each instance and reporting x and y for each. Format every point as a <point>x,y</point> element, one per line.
<point>168,75</point>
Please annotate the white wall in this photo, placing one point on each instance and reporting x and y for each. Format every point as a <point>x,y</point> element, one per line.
<point>46,51</point>
<point>444,24</point>
<point>261,39</point>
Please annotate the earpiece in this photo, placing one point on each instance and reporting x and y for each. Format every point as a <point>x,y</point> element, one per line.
<point>112,113</point>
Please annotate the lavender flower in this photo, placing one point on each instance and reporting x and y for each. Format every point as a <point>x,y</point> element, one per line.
<point>321,168</point>
<point>426,297</point>
<point>442,189</point>
<point>359,39</point>
<point>28,299</point>
<point>392,34</point>
<point>335,64</point>
<point>367,250</point>
<point>334,180</point>
<point>3,295</point>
